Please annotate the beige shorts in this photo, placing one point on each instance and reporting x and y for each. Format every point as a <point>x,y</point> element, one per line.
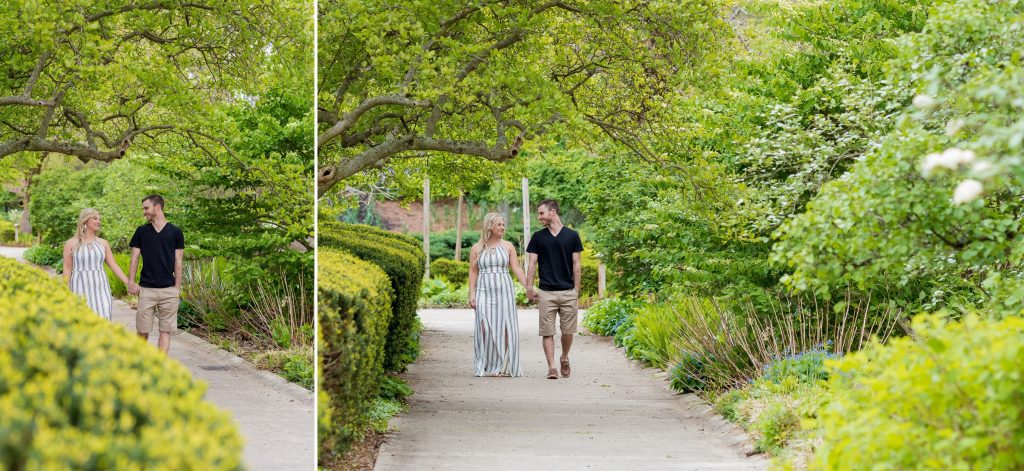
<point>561,304</point>
<point>161,302</point>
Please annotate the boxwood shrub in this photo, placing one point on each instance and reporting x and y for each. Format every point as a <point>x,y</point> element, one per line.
<point>400,258</point>
<point>450,270</point>
<point>79,393</point>
<point>354,313</point>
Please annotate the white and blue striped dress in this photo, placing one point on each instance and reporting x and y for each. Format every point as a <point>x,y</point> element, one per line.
<point>88,279</point>
<point>496,318</point>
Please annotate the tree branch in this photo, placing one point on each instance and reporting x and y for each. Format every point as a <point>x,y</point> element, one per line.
<point>352,117</point>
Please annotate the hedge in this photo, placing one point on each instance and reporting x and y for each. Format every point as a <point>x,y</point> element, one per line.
<point>450,270</point>
<point>355,310</point>
<point>47,256</point>
<point>403,263</point>
<point>6,232</point>
<point>79,393</point>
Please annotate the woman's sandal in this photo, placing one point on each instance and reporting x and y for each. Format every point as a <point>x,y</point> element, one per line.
<point>552,373</point>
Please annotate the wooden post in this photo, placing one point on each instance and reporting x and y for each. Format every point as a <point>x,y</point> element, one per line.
<point>426,227</point>
<point>458,228</point>
<point>526,220</point>
<point>600,281</point>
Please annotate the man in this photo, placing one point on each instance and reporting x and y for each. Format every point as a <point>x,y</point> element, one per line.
<point>555,250</point>
<point>162,246</point>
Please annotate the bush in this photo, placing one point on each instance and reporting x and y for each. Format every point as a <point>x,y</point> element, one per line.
<point>608,316</point>
<point>454,272</point>
<point>403,261</point>
<point>355,311</point>
<point>79,393</point>
<point>951,398</point>
<point>46,256</point>
<point>117,288</point>
<point>6,232</point>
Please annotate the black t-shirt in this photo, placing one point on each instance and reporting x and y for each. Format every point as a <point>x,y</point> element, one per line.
<point>157,254</point>
<point>554,257</point>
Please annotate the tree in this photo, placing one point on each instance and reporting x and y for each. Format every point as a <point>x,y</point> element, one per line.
<point>478,78</point>
<point>92,79</point>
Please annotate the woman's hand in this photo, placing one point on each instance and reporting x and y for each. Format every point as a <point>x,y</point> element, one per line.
<point>472,301</point>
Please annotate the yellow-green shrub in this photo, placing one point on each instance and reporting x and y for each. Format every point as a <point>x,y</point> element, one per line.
<point>403,263</point>
<point>6,231</point>
<point>953,398</point>
<point>450,270</point>
<point>355,310</point>
<point>77,392</point>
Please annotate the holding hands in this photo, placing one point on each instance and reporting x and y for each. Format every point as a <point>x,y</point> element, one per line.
<point>133,288</point>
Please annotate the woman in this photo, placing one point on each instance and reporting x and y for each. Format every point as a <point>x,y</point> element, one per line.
<point>491,294</point>
<point>84,255</point>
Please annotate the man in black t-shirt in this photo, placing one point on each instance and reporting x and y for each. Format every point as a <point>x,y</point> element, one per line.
<point>556,251</point>
<point>162,247</point>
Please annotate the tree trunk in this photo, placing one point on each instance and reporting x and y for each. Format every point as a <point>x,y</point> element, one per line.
<point>458,228</point>
<point>25,225</point>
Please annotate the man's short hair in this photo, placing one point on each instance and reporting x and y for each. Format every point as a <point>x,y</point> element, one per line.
<point>155,199</point>
<point>552,205</point>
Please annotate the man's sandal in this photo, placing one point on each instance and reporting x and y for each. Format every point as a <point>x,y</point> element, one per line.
<point>552,373</point>
<point>565,368</point>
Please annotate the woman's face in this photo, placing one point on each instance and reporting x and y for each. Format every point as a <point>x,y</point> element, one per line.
<point>93,223</point>
<point>499,229</point>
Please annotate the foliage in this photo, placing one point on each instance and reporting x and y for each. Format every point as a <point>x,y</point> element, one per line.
<point>402,259</point>
<point>354,313</point>
<point>78,394</point>
<point>172,64</point>
<point>123,260</point>
<point>949,398</point>
<point>468,81</point>
<point>450,270</point>
<point>607,317</point>
<point>46,256</point>
<point>6,232</point>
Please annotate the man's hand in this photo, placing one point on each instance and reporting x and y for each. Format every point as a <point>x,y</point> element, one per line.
<point>531,294</point>
<point>133,289</point>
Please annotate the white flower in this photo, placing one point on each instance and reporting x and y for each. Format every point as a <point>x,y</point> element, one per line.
<point>954,126</point>
<point>967,191</point>
<point>950,158</point>
<point>924,102</point>
<point>981,166</point>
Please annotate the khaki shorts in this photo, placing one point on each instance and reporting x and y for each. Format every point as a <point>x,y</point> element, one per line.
<point>564,305</point>
<point>161,302</point>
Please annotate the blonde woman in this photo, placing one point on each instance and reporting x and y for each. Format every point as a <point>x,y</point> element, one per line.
<point>84,256</point>
<point>492,296</point>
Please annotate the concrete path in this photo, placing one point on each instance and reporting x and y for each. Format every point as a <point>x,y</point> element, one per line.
<point>610,414</point>
<point>276,418</point>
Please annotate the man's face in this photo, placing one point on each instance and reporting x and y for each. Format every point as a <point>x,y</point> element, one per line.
<point>544,215</point>
<point>149,210</point>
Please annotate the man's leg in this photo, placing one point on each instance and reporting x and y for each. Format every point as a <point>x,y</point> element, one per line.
<point>168,314</point>
<point>549,350</point>
<point>568,307</point>
<point>144,314</point>
<point>165,342</point>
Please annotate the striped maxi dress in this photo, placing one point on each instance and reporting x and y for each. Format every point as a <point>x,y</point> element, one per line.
<point>88,279</point>
<point>496,318</point>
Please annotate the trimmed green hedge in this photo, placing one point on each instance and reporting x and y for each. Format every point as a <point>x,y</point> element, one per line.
<point>403,261</point>
<point>79,393</point>
<point>6,232</point>
<point>47,256</point>
<point>450,270</point>
<point>355,310</point>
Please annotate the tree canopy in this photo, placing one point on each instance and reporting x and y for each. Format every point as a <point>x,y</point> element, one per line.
<point>93,79</point>
<point>481,78</point>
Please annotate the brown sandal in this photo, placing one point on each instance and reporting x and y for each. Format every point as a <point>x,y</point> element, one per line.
<point>552,373</point>
<point>565,368</point>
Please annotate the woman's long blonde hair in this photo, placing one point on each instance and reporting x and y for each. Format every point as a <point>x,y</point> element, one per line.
<point>490,220</point>
<point>85,215</point>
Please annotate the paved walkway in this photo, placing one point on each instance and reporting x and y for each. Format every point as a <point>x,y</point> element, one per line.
<point>276,418</point>
<point>611,414</point>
